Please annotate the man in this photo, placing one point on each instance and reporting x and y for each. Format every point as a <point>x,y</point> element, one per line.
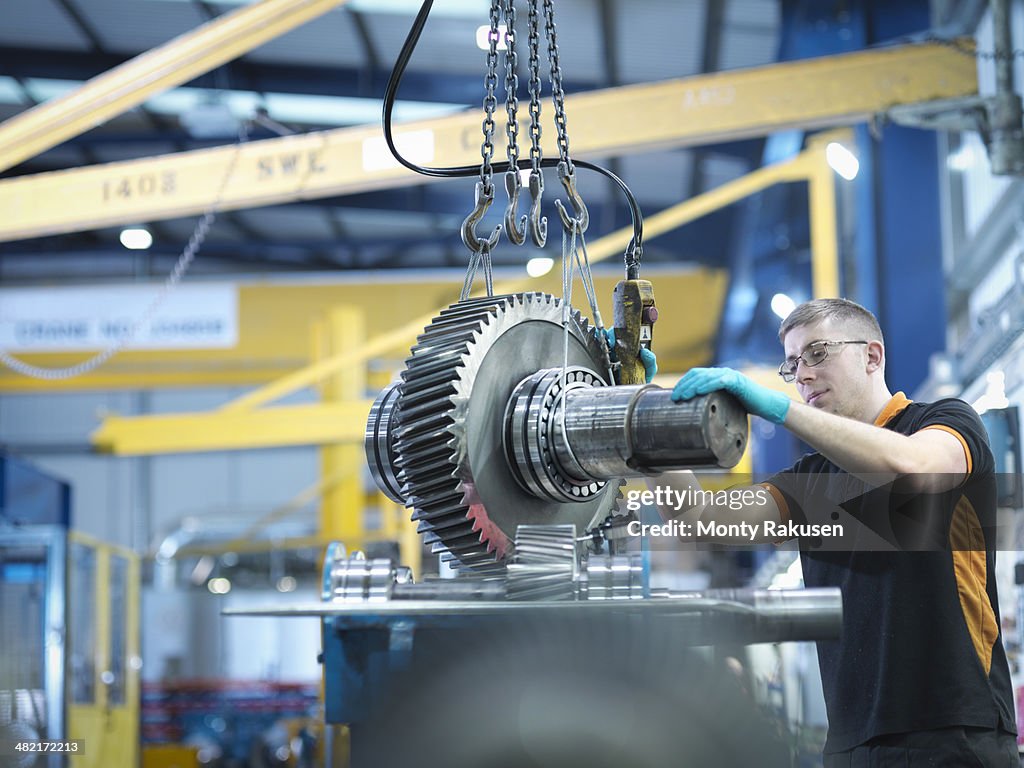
<point>919,675</point>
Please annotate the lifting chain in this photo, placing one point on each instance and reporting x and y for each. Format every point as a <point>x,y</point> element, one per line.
<point>566,169</point>
<point>538,224</point>
<point>480,249</point>
<point>575,224</point>
<point>513,183</point>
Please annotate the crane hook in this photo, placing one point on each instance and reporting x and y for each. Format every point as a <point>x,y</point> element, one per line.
<point>513,185</point>
<point>582,220</point>
<point>538,223</point>
<point>484,198</point>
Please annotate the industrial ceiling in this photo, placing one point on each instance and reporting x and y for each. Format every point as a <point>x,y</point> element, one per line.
<point>331,73</point>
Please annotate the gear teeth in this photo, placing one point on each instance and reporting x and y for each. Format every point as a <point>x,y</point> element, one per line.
<point>545,564</point>
<point>435,386</point>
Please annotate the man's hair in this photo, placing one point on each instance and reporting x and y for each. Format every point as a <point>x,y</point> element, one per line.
<point>842,311</point>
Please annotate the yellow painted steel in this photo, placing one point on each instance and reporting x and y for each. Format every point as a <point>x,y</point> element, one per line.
<point>272,316</point>
<point>821,183</point>
<point>182,59</point>
<point>814,93</point>
<point>170,756</point>
<point>242,423</point>
<point>342,508</point>
<point>109,729</point>
<point>310,424</point>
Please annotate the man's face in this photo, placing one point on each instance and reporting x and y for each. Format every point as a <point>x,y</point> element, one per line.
<point>840,384</point>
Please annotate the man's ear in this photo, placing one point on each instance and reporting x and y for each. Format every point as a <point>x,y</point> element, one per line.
<point>876,356</point>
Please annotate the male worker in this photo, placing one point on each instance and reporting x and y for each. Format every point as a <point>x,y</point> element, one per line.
<point>919,676</point>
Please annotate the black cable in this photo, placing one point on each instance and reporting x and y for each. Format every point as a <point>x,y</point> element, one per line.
<point>390,93</point>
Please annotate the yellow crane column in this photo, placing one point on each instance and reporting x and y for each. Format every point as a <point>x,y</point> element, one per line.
<point>342,512</point>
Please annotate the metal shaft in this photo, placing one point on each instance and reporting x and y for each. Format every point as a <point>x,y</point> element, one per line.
<point>562,439</point>
<point>635,430</point>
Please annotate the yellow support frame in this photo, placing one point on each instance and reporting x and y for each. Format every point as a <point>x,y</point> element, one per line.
<point>243,422</point>
<point>109,732</point>
<point>813,93</point>
<point>182,59</point>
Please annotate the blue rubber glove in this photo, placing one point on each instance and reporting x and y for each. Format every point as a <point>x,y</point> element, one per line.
<point>648,359</point>
<point>760,401</point>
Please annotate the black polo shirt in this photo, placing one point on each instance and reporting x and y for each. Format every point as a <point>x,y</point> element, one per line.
<point>921,645</point>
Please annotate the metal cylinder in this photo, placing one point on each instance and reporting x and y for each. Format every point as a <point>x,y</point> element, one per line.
<point>769,615</point>
<point>378,443</point>
<point>560,439</point>
<point>630,431</point>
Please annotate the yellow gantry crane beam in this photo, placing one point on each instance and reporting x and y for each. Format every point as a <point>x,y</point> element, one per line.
<point>246,423</point>
<point>128,85</point>
<point>231,430</point>
<point>814,93</point>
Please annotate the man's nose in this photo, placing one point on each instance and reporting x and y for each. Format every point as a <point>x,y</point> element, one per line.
<point>804,372</point>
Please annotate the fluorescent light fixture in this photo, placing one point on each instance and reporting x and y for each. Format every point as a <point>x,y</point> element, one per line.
<point>10,92</point>
<point>539,266</point>
<point>995,393</point>
<point>782,305</point>
<point>967,156</point>
<point>452,9</point>
<point>219,586</point>
<point>842,160</point>
<point>136,238</point>
<point>284,107</point>
<point>415,146</point>
<point>483,37</point>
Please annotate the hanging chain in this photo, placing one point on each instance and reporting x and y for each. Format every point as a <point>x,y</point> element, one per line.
<point>557,93</point>
<point>538,223</point>
<point>511,85</point>
<point>516,231</point>
<point>490,102</point>
<point>188,255</point>
<point>480,249</point>
<point>536,153</point>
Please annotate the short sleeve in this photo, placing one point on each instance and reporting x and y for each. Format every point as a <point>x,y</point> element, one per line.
<point>960,420</point>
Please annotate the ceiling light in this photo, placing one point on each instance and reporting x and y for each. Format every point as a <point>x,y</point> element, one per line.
<point>136,238</point>
<point>539,266</point>
<point>782,305</point>
<point>964,158</point>
<point>842,160</point>
<point>219,586</point>
<point>453,9</point>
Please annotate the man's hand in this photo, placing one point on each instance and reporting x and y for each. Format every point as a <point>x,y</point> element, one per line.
<point>647,358</point>
<point>759,400</point>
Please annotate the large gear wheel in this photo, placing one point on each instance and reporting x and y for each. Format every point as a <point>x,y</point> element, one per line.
<point>457,382</point>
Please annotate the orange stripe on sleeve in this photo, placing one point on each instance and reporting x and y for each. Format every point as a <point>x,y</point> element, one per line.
<point>780,500</point>
<point>958,436</point>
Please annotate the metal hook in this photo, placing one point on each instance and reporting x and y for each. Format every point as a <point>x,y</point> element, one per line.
<point>484,198</point>
<point>582,220</point>
<point>513,185</point>
<point>538,223</point>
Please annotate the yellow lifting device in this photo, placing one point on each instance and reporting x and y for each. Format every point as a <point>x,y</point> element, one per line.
<point>813,93</point>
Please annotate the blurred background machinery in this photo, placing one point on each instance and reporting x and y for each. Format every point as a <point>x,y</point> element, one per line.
<point>70,664</point>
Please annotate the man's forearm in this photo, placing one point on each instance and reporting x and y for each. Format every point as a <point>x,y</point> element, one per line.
<point>682,484</point>
<point>862,449</point>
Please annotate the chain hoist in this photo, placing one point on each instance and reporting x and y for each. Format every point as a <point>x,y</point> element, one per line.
<point>480,249</point>
<point>513,183</point>
<point>634,307</point>
<point>538,223</point>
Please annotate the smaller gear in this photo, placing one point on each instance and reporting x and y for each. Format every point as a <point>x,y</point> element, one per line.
<point>545,565</point>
